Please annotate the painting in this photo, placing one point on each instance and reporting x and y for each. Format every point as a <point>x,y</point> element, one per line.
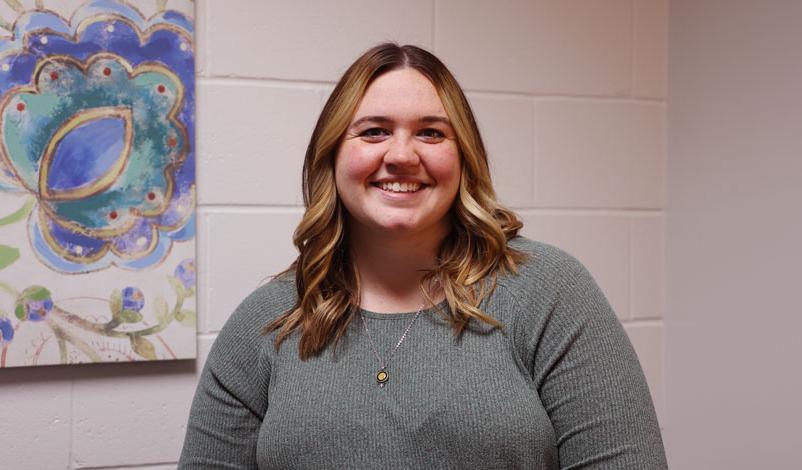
<point>97,181</point>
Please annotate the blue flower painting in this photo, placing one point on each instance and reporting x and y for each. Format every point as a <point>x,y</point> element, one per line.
<point>97,170</point>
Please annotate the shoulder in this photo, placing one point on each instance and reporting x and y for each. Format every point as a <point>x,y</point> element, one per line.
<point>265,303</point>
<point>546,255</point>
<point>546,268</point>
<point>551,285</point>
<point>242,335</point>
<point>555,302</point>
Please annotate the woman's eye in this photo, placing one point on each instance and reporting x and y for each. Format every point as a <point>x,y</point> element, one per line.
<point>374,133</point>
<point>431,134</point>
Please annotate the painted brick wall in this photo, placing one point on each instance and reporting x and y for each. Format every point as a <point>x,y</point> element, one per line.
<point>569,94</point>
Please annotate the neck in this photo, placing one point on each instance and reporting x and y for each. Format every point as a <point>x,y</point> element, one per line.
<point>390,269</point>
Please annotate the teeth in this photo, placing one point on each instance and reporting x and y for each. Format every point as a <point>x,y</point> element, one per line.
<point>397,187</point>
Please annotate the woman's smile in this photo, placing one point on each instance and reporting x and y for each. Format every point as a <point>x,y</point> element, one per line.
<point>398,187</point>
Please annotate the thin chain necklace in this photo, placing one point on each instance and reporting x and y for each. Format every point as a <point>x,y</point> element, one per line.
<point>382,376</point>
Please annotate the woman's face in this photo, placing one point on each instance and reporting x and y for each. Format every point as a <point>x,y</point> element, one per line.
<point>398,167</point>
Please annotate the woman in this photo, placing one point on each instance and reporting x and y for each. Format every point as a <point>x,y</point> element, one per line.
<point>415,329</point>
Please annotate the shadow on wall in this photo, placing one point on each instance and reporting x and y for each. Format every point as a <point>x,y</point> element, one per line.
<point>31,376</point>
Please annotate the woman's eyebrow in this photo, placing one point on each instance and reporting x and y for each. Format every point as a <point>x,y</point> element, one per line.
<point>377,119</point>
<point>430,119</point>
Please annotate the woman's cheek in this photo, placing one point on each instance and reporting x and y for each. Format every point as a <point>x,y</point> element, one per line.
<point>358,163</point>
<point>445,167</point>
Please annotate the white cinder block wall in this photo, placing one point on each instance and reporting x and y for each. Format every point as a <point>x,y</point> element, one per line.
<point>569,94</point>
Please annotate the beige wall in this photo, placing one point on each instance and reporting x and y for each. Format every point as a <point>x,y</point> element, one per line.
<point>734,235</point>
<point>570,96</point>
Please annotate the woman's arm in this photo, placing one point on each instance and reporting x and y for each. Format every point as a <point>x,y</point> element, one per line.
<point>591,383</point>
<point>231,399</point>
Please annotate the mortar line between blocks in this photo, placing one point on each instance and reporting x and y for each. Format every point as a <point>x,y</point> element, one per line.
<point>266,82</point>
<point>657,322</point>
<point>601,100</point>
<point>565,96</point>
<point>207,336</point>
<point>250,209</point>
<point>123,467</point>
<point>589,211</point>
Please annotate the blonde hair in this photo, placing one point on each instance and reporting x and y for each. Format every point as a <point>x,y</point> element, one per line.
<point>470,257</point>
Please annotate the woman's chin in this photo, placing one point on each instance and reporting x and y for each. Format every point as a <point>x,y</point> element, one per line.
<point>409,228</point>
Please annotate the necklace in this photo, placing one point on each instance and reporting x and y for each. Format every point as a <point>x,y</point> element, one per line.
<point>382,376</point>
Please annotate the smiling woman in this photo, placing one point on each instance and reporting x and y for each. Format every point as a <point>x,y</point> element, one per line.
<point>397,169</point>
<point>416,329</point>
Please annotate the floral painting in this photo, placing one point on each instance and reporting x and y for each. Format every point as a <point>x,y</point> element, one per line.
<point>97,181</point>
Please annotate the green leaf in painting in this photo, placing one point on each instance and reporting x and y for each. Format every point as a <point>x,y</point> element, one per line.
<point>130,316</point>
<point>20,214</point>
<point>160,309</point>
<point>37,293</point>
<point>187,317</point>
<point>8,254</point>
<point>116,303</point>
<point>143,347</point>
<point>177,286</point>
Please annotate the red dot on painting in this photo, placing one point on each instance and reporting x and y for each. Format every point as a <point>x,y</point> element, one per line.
<point>160,88</point>
<point>107,71</point>
<point>172,142</point>
<point>151,196</point>
<point>54,75</point>
<point>113,215</point>
<point>20,106</point>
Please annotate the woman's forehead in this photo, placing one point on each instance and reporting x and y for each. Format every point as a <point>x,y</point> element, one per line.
<point>404,91</point>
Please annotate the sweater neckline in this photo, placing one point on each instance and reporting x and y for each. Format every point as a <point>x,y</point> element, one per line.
<point>401,315</point>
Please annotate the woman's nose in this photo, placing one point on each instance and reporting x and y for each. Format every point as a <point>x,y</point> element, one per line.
<point>402,152</point>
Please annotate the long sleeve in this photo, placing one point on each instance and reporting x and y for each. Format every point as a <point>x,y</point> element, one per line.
<point>231,398</point>
<point>591,383</point>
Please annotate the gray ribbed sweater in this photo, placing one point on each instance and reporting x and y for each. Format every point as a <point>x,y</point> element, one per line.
<point>559,387</point>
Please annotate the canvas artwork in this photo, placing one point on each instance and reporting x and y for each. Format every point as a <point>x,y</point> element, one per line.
<point>97,181</point>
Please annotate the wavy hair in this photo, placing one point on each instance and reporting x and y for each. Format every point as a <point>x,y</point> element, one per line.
<point>470,257</point>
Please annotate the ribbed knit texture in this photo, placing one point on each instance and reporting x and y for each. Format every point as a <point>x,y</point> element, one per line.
<point>559,387</point>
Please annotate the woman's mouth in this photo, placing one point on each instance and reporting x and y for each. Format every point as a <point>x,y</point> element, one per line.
<point>398,187</point>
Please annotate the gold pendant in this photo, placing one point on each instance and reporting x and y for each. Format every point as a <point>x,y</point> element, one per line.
<point>382,377</point>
